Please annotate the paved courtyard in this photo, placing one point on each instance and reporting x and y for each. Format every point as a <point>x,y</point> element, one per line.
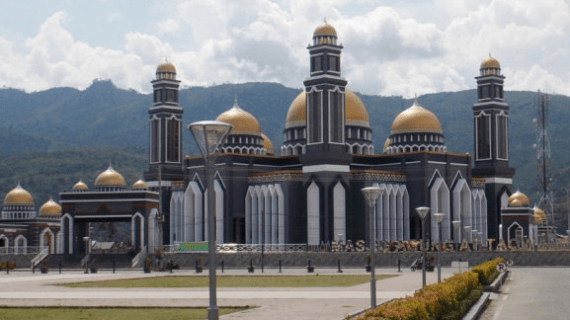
<point>27,289</point>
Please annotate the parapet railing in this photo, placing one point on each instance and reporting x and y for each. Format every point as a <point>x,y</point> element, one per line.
<point>20,250</point>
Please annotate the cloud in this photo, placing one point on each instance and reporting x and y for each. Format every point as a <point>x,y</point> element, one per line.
<point>398,50</point>
<point>115,17</point>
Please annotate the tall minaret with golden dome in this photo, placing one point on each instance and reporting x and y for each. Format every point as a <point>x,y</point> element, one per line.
<point>491,141</point>
<point>165,127</point>
<point>325,95</point>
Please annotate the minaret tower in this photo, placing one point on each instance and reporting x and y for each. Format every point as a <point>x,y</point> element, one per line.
<point>165,122</point>
<point>165,140</point>
<point>326,160</point>
<point>491,141</point>
<point>325,93</point>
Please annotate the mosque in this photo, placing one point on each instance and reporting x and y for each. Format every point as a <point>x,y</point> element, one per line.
<point>311,192</point>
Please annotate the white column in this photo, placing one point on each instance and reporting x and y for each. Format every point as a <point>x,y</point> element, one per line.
<point>313,214</point>
<point>339,224</point>
<point>248,212</point>
<point>219,192</point>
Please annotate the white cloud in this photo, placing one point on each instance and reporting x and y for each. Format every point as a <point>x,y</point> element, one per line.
<point>115,17</point>
<point>387,50</point>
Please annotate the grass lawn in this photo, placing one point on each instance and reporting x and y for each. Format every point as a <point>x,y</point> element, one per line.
<point>116,313</point>
<point>233,281</point>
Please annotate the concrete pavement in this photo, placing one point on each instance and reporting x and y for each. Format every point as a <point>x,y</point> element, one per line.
<point>27,289</point>
<point>532,293</point>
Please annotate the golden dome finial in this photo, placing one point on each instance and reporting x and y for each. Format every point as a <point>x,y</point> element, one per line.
<point>490,62</point>
<point>518,199</point>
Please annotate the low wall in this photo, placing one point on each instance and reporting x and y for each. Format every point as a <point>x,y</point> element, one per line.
<point>358,259</point>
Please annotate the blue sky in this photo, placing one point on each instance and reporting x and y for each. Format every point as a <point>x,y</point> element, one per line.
<point>390,47</point>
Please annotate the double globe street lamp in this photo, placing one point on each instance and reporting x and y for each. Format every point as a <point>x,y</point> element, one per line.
<point>422,212</point>
<point>209,135</point>
<point>439,218</point>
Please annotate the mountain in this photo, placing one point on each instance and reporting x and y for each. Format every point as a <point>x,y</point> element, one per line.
<point>61,122</point>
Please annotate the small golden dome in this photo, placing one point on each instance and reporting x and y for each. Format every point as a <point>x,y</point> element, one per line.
<point>242,121</point>
<point>50,209</point>
<point>166,66</point>
<point>386,144</point>
<point>18,195</point>
<point>490,62</point>
<point>80,186</point>
<point>520,197</point>
<point>325,29</point>
<point>416,119</point>
<point>140,184</point>
<point>267,144</point>
<point>354,111</point>
<point>110,178</point>
<point>539,215</point>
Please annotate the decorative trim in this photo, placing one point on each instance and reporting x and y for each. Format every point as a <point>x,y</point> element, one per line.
<point>499,180</point>
<point>478,182</point>
<point>98,216</point>
<point>326,167</point>
<point>276,176</point>
<point>376,175</point>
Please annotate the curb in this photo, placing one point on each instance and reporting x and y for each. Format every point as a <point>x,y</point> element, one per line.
<point>476,310</point>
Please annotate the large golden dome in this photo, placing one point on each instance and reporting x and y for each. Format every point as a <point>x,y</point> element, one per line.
<point>242,121</point>
<point>354,111</point>
<point>166,66</point>
<point>80,186</point>
<point>18,195</point>
<point>50,209</point>
<point>325,29</point>
<point>490,62</point>
<point>518,199</point>
<point>267,144</point>
<point>110,178</point>
<point>539,215</point>
<point>416,119</point>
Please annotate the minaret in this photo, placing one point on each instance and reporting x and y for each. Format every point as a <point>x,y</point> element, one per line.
<point>325,95</point>
<point>165,141</point>
<point>326,160</point>
<point>491,141</point>
<point>165,125</point>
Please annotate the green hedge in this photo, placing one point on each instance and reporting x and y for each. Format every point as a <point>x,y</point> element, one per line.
<point>447,300</point>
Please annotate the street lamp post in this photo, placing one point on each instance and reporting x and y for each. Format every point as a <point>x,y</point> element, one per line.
<point>439,217</point>
<point>371,194</point>
<point>456,225</point>
<point>86,239</point>
<point>474,239</point>
<point>209,135</point>
<point>467,234</point>
<point>422,212</point>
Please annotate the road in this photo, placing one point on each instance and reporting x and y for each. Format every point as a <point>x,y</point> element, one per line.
<point>532,293</point>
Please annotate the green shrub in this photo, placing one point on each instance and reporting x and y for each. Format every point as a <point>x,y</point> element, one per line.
<point>448,300</point>
<point>487,271</point>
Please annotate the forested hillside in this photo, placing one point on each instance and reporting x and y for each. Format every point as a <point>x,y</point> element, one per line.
<point>50,139</point>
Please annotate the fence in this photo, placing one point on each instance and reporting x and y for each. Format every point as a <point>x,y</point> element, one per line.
<point>21,251</point>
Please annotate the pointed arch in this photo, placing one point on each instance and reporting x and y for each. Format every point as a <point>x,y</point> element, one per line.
<point>20,245</point>
<point>339,210</point>
<point>281,214</point>
<point>193,212</point>
<point>248,214</point>
<point>440,202</point>
<point>47,240</point>
<point>67,230</point>
<point>137,230</point>
<point>219,199</point>
<point>313,213</point>
<point>462,204</point>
